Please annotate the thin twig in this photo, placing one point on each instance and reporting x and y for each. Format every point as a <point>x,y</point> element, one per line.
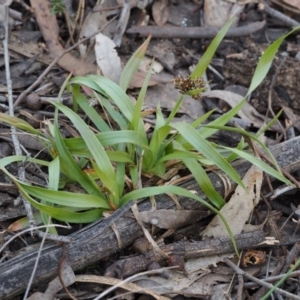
<point>239,295</point>
<point>251,285</point>
<point>122,23</point>
<point>106,292</point>
<point>78,16</point>
<point>193,32</point>
<point>38,227</point>
<point>55,237</point>
<point>291,257</point>
<point>35,265</point>
<point>280,16</point>
<point>16,143</point>
<point>260,282</point>
<point>47,70</point>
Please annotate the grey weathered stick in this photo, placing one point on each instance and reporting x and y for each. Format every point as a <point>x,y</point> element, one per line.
<point>173,32</point>
<point>185,249</point>
<point>90,245</point>
<point>284,19</point>
<point>260,282</point>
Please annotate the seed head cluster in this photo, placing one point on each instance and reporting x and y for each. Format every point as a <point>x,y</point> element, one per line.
<point>187,84</point>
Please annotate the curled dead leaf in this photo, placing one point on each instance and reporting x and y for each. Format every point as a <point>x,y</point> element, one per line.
<point>254,257</point>
<point>107,57</point>
<point>161,11</point>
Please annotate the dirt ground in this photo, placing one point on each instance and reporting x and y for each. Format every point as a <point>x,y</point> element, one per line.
<point>48,41</point>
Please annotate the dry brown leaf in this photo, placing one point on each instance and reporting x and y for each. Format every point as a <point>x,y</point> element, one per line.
<point>185,14</point>
<point>171,219</point>
<point>132,287</point>
<point>5,2</point>
<point>175,282</point>
<point>292,116</point>
<point>55,285</point>
<point>50,31</point>
<point>167,95</point>
<point>193,265</point>
<point>294,3</point>
<point>205,284</point>
<point>161,11</point>
<point>147,234</point>
<point>146,63</point>
<point>139,78</point>
<point>248,113</point>
<point>107,57</point>
<point>291,9</point>
<point>28,49</point>
<point>197,285</point>
<point>218,12</point>
<point>238,209</point>
<point>91,24</point>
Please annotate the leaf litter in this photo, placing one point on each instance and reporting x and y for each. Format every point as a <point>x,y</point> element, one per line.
<point>206,281</point>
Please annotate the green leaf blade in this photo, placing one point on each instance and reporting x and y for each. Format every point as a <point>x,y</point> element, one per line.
<point>192,136</point>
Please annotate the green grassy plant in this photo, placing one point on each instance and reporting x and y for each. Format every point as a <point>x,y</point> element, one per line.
<point>108,163</point>
<point>57,7</point>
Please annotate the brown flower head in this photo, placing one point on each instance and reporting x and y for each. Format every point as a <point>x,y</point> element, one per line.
<point>190,86</point>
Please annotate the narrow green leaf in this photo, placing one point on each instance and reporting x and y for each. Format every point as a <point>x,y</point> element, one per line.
<point>269,125</point>
<point>84,80</point>
<point>210,52</point>
<point>134,175</point>
<point>206,132</point>
<point>23,223</point>
<point>57,213</point>
<point>133,64</point>
<point>159,122</point>
<point>282,280</point>
<point>115,93</point>
<point>192,136</point>
<point>120,157</point>
<point>65,198</point>
<point>54,173</point>
<point>251,136</point>
<point>136,123</point>
<point>110,139</point>
<point>259,163</point>
<point>95,147</point>
<point>5,161</point>
<point>111,90</point>
<point>234,156</point>
<point>166,189</point>
<point>113,113</point>
<point>265,62</point>
<point>121,173</point>
<point>63,214</point>
<point>179,155</point>
<point>202,118</point>
<point>63,87</point>
<point>89,110</point>
<point>69,166</point>
<point>18,123</point>
<point>195,124</point>
<point>175,109</point>
<point>157,145</point>
<point>204,182</point>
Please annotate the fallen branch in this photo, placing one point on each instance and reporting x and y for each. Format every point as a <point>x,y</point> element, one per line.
<point>98,240</point>
<point>50,30</point>
<point>185,249</point>
<point>173,32</point>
